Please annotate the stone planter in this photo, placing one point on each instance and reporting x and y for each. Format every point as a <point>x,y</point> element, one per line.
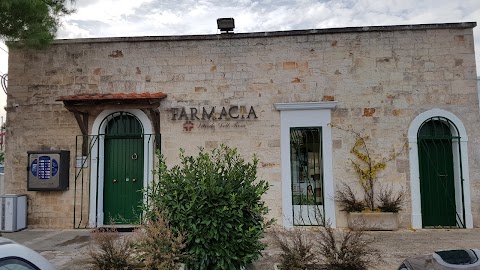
<point>373,221</point>
<point>276,266</point>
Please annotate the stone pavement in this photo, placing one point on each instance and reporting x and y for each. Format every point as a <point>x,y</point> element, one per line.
<point>68,249</point>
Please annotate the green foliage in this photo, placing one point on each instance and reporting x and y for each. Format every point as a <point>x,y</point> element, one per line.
<point>303,199</point>
<point>33,22</point>
<point>216,200</point>
<point>156,246</point>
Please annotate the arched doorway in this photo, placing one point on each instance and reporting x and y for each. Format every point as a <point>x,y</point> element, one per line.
<point>439,175</point>
<point>123,169</point>
<point>105,133</point>
<point>437,179</point>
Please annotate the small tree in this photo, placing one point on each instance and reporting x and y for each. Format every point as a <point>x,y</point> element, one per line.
<point>215,199</point>
<point>33,22</point>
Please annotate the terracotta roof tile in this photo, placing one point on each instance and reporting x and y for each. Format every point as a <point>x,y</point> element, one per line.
<point>110,96</point>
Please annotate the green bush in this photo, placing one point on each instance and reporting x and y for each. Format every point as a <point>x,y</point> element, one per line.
<point>215,199</point>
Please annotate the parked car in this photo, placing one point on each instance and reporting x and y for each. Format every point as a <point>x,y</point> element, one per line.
<point>466,259</point>
<point>16,256</point>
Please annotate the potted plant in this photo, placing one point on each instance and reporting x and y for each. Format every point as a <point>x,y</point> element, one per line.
<point>379,207</point>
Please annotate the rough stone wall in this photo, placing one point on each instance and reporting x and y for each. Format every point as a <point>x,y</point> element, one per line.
<point>381,80</point>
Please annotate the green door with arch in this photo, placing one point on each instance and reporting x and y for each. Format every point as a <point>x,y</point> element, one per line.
<point>437,180</point>
<point>123,171</point>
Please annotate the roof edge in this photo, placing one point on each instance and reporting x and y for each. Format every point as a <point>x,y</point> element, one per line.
<point>385,28</point>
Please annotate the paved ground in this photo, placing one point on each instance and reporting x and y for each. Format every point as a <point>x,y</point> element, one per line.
<point>68,249</point>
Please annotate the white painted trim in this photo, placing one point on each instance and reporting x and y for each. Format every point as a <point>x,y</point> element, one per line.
<point>305,105</point>
<point>97,154</point>
<point>414,166</point>
<point>307,118</point>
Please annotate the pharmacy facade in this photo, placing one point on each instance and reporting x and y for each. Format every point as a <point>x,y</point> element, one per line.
<point>87,115</point>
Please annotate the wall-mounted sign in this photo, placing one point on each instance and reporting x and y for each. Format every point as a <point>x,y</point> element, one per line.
<point>214,113</point>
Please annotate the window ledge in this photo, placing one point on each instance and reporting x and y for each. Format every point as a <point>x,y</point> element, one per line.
<point>305,105</point>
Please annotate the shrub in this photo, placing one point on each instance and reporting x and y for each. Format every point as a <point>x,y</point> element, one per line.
<point>297,249</point>
<point>388,201</point>
<point>352,251</point>
<point>110,250</point>
<point>156,246</point>
<point>215,199</point>
<point>347,199</point>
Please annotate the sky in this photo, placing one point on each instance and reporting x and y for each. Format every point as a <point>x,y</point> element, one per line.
<point>120,18</point>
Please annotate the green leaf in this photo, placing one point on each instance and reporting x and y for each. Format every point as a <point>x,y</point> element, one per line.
<point>215,197</point>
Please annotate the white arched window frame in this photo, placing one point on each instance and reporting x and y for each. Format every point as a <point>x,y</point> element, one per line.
<point>96,215</point>
<point>415,170</point>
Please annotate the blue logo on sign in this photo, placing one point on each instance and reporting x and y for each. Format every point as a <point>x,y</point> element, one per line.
<point>33,168</point>
<point>54,167</point>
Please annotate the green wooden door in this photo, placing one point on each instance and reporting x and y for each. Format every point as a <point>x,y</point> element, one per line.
<point>123,178</point>
<point>436,175</point>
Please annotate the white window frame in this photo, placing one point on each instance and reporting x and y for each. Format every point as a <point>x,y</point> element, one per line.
<point>307,114</point>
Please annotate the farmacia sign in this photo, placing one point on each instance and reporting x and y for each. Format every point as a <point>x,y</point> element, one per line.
<point>214,113</point>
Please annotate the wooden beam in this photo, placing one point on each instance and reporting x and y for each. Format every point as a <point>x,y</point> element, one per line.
<point>155,115</point>
<point>82,120</point>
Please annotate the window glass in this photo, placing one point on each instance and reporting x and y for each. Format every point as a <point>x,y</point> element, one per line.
<point>13,263</point>
<point>306,166</point>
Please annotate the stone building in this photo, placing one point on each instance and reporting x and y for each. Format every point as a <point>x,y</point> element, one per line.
<point>111,102</point>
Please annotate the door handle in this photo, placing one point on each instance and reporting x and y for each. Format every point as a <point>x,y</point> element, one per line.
<point>134,156</point>
<point>134,180</point>
<point>127,179</point>
<point>114,180</point>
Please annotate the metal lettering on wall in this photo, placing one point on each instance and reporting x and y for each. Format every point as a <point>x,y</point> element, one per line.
<point>212,118</point>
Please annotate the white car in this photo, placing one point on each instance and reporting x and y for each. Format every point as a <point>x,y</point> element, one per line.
<point>18,257</point>
<point>466,259</point>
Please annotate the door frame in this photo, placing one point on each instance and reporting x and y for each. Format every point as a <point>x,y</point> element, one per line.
<point>415,168</point>
<point>307,114</point>
<point>96,215</point>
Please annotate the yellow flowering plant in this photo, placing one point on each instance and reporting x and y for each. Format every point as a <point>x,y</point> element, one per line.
<point>367,168</point>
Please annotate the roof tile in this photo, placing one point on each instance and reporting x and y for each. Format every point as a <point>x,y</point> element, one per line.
<point>119,96</point>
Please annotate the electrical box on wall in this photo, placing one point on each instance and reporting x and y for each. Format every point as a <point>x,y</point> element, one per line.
<point>48,170</point>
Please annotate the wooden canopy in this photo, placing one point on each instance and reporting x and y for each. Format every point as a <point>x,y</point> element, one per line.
<point>80,105</point>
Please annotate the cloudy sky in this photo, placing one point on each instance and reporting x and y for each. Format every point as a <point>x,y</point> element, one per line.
<point>109,18</point>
